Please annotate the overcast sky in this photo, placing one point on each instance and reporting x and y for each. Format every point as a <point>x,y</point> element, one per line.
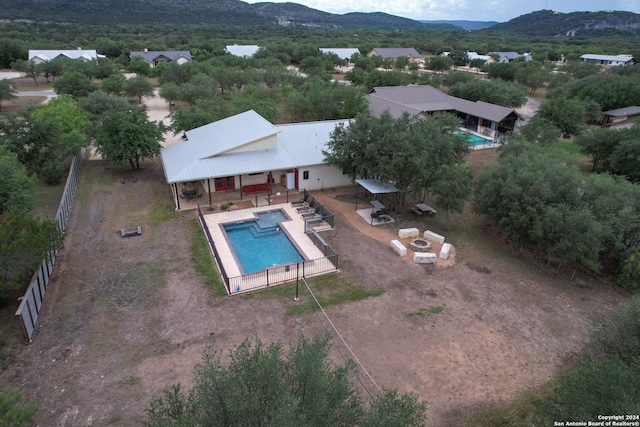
<point>470,10</point>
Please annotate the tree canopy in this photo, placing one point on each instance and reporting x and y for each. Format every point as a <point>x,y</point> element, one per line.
<point>128,136</point>
<point>264,386</point>
<point>408,151</point>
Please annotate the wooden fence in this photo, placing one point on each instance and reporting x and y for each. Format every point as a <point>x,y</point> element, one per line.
<point>33,298</point>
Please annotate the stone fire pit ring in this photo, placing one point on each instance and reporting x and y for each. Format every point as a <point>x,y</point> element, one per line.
<point>420,245</point>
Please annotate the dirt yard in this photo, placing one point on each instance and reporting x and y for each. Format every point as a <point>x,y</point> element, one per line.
<point>125,317</point>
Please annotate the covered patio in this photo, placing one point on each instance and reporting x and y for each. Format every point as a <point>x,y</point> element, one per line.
<point>377,213</point>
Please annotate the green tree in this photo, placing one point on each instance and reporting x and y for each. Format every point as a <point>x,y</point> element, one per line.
<point>540,131</point>
<point>7,91</point>
<point>453,188</point>
<point>138,87</point>
<point>139,66</point>
<point>532,75</point>
<point>128,136</point>
<point>459,58</point>
<point>477,63</point>
<point>618,335</point>
<point>24,243</point>
<point>439,64</point>
<point>11,50</point>
<point>203,112</point>
<point>262,386</point>
<point>599,144</point>
<point>516,191</point>
<point>32,140</point>
<point>54,68</point>
<point>29,68</point>
<point>16,187</point>
<point>114,84</point>
<point>629,277</point>
<point>599,387</point>
<point>456,77</point>
<point>74,84</point>
<point>98,102</point>
<point>625,159</point>
<point>497,92</point>
<point>14,413</point>
<point>568,115</point>
<point>505,71</point>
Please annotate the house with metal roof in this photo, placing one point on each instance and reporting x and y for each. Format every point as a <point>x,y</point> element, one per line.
<point>505,57</point>
<point>611,60</point>
<point>489,120</point>
<point>246,154</point>
<point>396,52</point>
<point>155,57</point>
<point>344,53</point>
<point>621,117</point>
<point>40,56</point>
<point>245,51</point>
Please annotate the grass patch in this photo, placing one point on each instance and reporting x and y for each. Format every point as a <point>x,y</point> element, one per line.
<point>46,199</point>
<point>327,288</point>
<point>569,146</point>
<point>434,309</point>
<point>347,294</point>
<point>524,411</point>
<point>161,213</point>
<point>203,262</point>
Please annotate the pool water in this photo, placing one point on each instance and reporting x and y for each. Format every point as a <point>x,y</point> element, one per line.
<point>475,139</point>
<point>261,243</point>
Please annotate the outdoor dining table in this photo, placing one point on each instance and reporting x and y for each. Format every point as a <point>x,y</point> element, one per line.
<point>426,208</point>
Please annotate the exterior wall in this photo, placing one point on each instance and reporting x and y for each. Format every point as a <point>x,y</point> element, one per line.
<point>253,179</point>
<point>322,176</point>
<point>261,144</point>
<point>181,61</point>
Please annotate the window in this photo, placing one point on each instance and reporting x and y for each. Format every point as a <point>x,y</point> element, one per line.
<point>305,175</point>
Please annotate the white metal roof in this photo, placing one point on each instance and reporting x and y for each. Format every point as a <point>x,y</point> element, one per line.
<point>619,58</point>
<point>243,50</point>
<point>298,145</point>
<point>375,186</point>
<point>48,55</point>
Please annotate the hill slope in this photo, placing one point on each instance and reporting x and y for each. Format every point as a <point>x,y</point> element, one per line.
<point>211,13</point>
<point>550,23</point>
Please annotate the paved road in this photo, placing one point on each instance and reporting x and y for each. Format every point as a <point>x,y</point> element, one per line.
<point>528,110</point>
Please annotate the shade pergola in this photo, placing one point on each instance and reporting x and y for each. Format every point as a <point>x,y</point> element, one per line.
<point>377,187</point>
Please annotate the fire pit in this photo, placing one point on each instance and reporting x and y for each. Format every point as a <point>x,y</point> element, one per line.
<point>420,245</point>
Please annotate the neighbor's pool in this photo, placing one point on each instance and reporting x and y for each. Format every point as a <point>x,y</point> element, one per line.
<point>261,243</point>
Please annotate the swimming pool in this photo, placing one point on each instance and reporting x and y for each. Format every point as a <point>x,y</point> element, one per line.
<point>475,139</point>
<point>261,243</point>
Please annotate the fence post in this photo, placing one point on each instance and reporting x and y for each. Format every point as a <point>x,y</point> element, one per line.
<point>297,280</point>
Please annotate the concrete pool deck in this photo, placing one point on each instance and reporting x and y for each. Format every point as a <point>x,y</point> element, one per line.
<point>293,227</point>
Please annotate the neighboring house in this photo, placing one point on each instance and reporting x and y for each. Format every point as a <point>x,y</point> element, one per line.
<point>396,52</point>
<point>344,53</point>
<point>159,56</point>
<point>245,150</point>
<point>612,60</point>
<point>40,56</point>
<point>504,57</point>
<point>489,120</point>
<point>474,55</point>
<point>245,51</point>
<point>621,117</point>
